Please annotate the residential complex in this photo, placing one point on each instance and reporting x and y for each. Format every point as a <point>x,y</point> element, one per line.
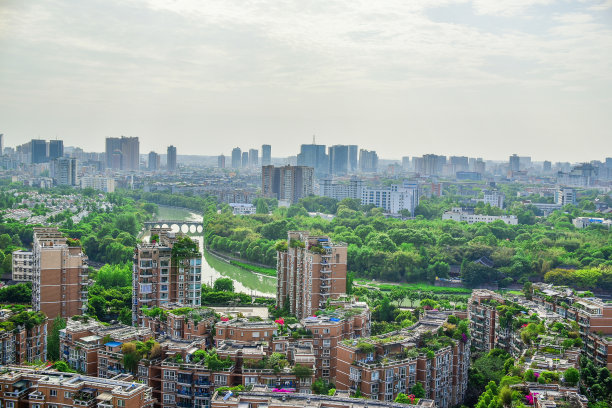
<point>22,343</point>
<point>59,275</point>
<point>288,183</point>
<point>23,266</point>
<point>123,153</point>
<point>166,270</point>
<point>311,270</point>
<point>341,190</point>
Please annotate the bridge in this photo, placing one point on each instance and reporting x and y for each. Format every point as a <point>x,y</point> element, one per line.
<point>183,226</point>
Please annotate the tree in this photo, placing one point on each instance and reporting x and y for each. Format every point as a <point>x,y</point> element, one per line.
<point>223,285</point>
<point>130,357</point>
<point>417,390</point>
<point>53,342</point>
<point>571,376</point>
<point>261,207</point>
<point>528,290</point>
<point>302,372</point>
<point>125,316</point>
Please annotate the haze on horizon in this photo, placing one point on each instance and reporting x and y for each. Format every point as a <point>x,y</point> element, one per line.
<point>481,78</point>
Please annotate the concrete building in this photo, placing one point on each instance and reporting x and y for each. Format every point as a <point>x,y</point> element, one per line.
<point>460,215</point>
<point>221,161</point>
<point>266,155</point>
<point>20,344</point>
<point>253,158</point>
<point>368,161</point>
<point>38,149</point>
<point>585,222</point>
<point>100,183</point>
<point>310,271</point>
<point>23,265</point>
<point>565,195</point>
<point>514,163</point>
<point>36,388</point>
<point>197,324</point>
<point>236,158</point>
<point>313,155</point>
<point>56,149</point>
<point>171,158</point>
<point>59,275</point>
<point>494,198</point>
<point>339,160</point>
<point>160,279</point>
<point>353,158</point>
<point>243,208</point>
<point>154,162</point>
<point>339,191</point>
<point>393,199</point>
<point>245,160</point>
<point>287,183</point>
<point>64,171</point>
<point>123,153</point>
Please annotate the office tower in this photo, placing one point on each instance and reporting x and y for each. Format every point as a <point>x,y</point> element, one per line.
<point>64,171</point>
<point>459,163</point>
<point>547,166</point>
<point>433,164</point>
<point>479,166</point>
<point>59,275</point>
<point>393,199</point>
<point>352,153</point>
<point>236,157</point>
<point>221,161</point>
<point>253,158</point>
<point>167,270</point>
<point>310,271</point>
<point>564,195</point>
<point>39,151</point>
<point>123,153</point>
<point>515,163</point>
<point>56,149</point>
<point>524,162</point>
<point>313,155</point>
<point>154,161</point>
<point>245,160</point>
<point>406,163</point>
<point>266,155</point>
<point>338,160</point>
<point>288,183</point>
<point>368,161</point>
<point>171,158</point>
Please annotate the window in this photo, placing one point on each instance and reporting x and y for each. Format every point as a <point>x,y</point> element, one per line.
<point>220,331</point>
<point>120,403</point>
<point>326,372</point>
<point>326,343</point>
<point>325,363</point>
<point>67,394</point>
<point>316,331</point>
<point>231,332</point>
<point>375,375</point>
<point>53,393</point>
<point>255,334</point>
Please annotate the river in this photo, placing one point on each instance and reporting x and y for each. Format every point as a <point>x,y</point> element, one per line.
<point>213,267</point>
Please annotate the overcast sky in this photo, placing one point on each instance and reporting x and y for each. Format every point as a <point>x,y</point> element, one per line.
<point>480,78</point>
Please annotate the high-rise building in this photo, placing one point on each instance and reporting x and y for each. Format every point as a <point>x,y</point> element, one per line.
<point>1,143</point>
<point>514,163</point>
<point>406,163</point>
<point>167,270</point>
<point>154,161</point>
<point>236,157</point>
<point>266,155</point>
<point>368,161</point>
<point>253,158</point>
<point>313,155</point>
<point>64,171</point>
<point>287,183</point>
<point>340,191</point>
<point>353,163</point>
<point>393,199</point>
<point>123,153</point>
<point>221,161</point>
<point>459,163</point>
<point>338,160</point>
<point>433,164</point>
<point>311,271</point>
<point>39,151</point>
<point>171,158</point>
<point>56,149</point>
<point>564,195</point>
<point>59,275</point>
<point>547,166</point>
<point>245,160</point>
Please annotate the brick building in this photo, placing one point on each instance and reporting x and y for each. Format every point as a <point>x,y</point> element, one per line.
<point>20,344</point>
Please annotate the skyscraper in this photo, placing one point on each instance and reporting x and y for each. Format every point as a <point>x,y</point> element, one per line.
<point>287,183</point>
<point>154,161</point>
<point>515,163</point>
<point>221,161</point>
<point>236,157</point>
<point>245,160</point>
<point>39,151</point>
<point>253,158</point>
<point>352,152</point>
<point>171,158</point>
<point>113,149</point>
<point>2,143</point>
<point>311,271</point>
<point>338,160</point>
<point>123,153</point>
<point>368,161</point>
<point>64,171</point>
<point>313,155</point>
<point>56,149</point>
<point>266,155</point>
<point>59,276</point>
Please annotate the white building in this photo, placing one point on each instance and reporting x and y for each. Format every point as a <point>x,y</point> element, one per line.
<point>494,198</point>
<point>100,183</point>
<point>243,209</point>
<point>340,191</point>
<point>565,195</point>
<point>584,222</point>
<point>23,262</point>
<point>393,199</point>
<point>457,214</point>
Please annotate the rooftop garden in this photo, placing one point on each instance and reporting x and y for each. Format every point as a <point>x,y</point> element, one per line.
<point>155,312</point>
<point>275,362</point>
<point>185,247</point>
<point>22,317</point>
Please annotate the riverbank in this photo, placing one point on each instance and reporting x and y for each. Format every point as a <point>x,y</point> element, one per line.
<point>256,269</point>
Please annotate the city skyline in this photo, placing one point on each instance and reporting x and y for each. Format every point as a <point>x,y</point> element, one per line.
<point>462,78</point>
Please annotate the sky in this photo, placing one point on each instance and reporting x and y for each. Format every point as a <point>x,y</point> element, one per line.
<point>482,78</point>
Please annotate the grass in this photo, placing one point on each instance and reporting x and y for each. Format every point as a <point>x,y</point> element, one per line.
<point>256,269</point>
<point>423,287</point>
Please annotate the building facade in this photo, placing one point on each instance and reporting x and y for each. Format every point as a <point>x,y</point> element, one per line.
<point>171,158</point>
<point>23,265</point>
<point>287,183</point>
<point>393,199</point>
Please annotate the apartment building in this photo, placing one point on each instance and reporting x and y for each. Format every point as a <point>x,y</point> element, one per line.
<point>167,270</point>
<point>245,331</point>
<point>180,323</point>
<point>393,199</point>
<point>482,313</point>
<point>310,271</point>
<point>92,348</point>
<point>288,183</point>
<point>34,388</point>
<point>460,215</point>
<point>23,265</point>
<point>20,344</point>
<point>381,367</point>
<point>59,275</point>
